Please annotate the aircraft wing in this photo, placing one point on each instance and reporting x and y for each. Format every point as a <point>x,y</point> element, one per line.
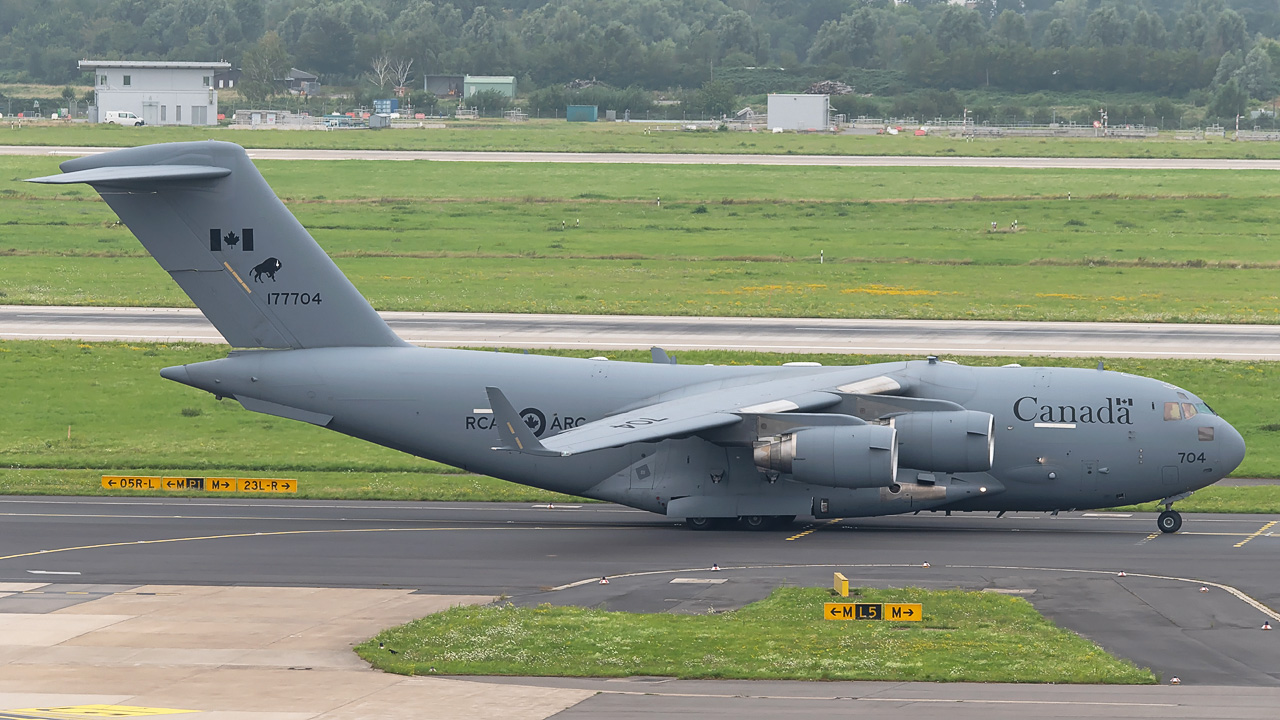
<point>682,416</point>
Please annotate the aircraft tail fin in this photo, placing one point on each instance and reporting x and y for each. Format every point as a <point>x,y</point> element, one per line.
<point>205,213</point>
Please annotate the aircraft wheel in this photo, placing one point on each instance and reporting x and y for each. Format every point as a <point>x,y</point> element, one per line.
<point>701,523</point>
<point>1170,521</point>
<point>756,522</point>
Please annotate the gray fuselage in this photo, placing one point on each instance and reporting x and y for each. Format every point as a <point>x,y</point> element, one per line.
<point>1064,437</point>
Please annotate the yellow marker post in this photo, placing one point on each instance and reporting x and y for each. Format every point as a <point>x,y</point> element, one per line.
<point>842,585</point>
<point>132,482</point>
<point>904,612</point>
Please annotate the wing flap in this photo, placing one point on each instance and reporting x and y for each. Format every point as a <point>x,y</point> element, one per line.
<point>645,426</point>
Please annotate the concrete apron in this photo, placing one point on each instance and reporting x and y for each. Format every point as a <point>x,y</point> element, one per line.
<point>223,653</point>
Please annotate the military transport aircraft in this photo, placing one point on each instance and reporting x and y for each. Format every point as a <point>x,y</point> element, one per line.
<point>709,445</point>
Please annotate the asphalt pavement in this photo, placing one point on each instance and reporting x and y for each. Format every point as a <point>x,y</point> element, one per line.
<point>1068,566</point>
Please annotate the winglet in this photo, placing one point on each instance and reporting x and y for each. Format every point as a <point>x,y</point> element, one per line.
<point>661,357</point>
<point>514,434</point>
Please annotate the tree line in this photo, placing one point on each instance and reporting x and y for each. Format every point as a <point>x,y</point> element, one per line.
<point>1217,52</point>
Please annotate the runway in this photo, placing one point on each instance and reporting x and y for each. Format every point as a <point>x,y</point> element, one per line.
<point>1066,566</point>
<point>711,159</point>
<point>619,332</point>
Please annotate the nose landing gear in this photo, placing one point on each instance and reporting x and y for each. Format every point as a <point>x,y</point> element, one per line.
<point>1170,521</point>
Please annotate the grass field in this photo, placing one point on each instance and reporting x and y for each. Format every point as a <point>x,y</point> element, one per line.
<point>1141,246</point>
<point>123,418</point>
<point>560,136</point>
<point>965,637</point>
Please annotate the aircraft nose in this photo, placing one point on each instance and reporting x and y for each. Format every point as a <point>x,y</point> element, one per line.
<point>1232,448</point>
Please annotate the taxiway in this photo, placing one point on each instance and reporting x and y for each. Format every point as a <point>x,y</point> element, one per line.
<point>1067,566</point>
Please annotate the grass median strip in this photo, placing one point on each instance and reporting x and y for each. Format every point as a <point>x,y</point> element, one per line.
<point>965,637</point>
<point>1143,246</point>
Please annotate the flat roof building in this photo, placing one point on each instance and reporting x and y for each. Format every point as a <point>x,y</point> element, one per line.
<point>161,93</point>
<point>802,112</point>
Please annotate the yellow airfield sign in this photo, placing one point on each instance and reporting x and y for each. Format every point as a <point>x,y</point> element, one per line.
<point>132,482</point>
<point>221,484</point>
<point>894,612</point>
<point>910,612</point>
<point>186,484</point>
<point>852,611</point>
<point>272,485</point>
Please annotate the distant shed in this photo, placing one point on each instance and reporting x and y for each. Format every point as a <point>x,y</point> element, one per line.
<point>582,113</point>
<point>443,85</point>
<point>800,112</point>
<point>505,84</point>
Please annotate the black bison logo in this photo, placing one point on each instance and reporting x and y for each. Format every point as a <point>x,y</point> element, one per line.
<point>267,267</point>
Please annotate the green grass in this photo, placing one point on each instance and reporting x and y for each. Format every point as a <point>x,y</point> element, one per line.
<point>712,288</point>
<point>125,419</point>
<point>471,237</point>
<point>965,637</point>
<point>560,136</point>
<point>1253,500</point>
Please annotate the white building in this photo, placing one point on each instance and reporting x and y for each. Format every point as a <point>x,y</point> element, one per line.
<point>799,112</point>
<point>161,93</point>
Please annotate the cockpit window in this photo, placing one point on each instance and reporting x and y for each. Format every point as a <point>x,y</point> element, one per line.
<point>1185,410</point>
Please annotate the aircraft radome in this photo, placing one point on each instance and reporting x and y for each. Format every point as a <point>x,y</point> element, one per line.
<point>760,445</point>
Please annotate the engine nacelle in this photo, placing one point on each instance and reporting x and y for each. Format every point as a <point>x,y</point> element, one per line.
<point>947,441</point>
<point>843,456</point>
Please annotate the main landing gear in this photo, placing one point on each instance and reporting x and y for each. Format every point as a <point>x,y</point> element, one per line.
<point>750,522</point>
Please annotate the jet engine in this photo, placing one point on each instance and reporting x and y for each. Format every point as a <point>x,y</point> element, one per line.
<point>843,456</point>
<point>946,441</point>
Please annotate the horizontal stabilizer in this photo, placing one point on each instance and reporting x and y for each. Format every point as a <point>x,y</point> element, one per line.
<point>135,175</point>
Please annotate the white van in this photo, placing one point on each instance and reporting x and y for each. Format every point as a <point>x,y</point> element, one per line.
<point>120,117</point>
